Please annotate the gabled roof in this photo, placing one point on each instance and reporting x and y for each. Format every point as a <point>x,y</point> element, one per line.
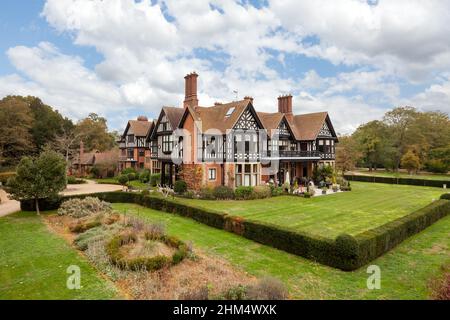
<point>307,126</point>
<point>92,158</point>
<point>139,128</point>
<point>174,115</point>
<point>221,116</point>
<point>270,121</point>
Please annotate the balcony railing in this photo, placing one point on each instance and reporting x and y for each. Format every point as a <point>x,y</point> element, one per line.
<point>294,154</point>
<point>126,159</point>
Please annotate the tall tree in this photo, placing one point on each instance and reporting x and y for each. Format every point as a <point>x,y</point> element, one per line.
<point>47,124</point>
<point>39,178</point>
<point>347,154</point>
<point>400,121</point>
<point>15,137</point>
<point>93,130</point>
<point>371,139</point>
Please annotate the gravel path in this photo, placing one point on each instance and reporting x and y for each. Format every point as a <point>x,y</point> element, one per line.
<point>10,206</point>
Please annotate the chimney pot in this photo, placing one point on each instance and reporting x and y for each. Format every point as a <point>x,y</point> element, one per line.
<point>191,99</point>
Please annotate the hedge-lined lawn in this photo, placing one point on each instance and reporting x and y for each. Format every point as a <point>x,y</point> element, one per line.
<point>369,205</point>
<point>405,270</point>
<point>34,261</point>
<point>383,173</point>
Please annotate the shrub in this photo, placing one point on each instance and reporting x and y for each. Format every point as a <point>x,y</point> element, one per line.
<point>261,192</point>
<point>445,196</point>
<point>78,208</point>
<point>442,288</point>
<point>145,192</point>
<point>223,193</point>
<point>276,191</point>
<point>83,240</point>
<point>155,179</point>
<point>207,193</point>
<point>154,231</point>
<point>128,170</point>
<point>4,176</point>
<point>238,292</point>
<point>132,176</point>
<point>403,181</point>
<point>437,166</point>
<point>307,195</point>
<point>267,288</point>
<point>243,193</point>
<point>123,179</point>
<point>201,293</point>
<point>73,180</point>
<point>144,176</point>
<point>180,187</point>
<point>95,172</point>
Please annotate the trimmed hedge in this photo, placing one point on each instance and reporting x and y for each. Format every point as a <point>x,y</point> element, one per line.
<point>345,252</point>
<point>404,181</point>
<point>445,196</point>
<point>373,243</point>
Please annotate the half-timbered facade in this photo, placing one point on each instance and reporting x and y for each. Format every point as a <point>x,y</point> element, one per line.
<point>232,144</point>
<point>134,151</point>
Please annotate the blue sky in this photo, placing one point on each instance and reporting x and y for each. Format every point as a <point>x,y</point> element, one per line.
<point>124,58</point>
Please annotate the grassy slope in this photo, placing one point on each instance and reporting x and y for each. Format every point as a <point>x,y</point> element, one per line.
<point>33,263</point>
<point>383,173</point>
<point>367,206</point>
<point>405,270</point>
<point>135,183</point>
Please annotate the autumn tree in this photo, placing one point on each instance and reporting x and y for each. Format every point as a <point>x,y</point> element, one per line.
<point>93,130</point>
<point>347,154</point>
<point>411,162</point>
<point>38,178</point>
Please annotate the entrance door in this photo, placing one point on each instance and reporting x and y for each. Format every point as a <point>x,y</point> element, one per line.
<point>305,171</point>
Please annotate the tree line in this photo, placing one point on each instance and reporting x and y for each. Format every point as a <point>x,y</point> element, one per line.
<point>28,127</point>
<point>405,138</point>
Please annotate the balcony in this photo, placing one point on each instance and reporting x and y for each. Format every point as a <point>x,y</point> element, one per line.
<point>126,159</point>
<point>293,155</point>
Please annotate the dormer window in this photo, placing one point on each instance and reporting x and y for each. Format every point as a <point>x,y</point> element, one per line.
<point>230,112</point>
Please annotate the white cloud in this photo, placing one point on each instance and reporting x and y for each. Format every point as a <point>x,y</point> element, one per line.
<point>147,48</point>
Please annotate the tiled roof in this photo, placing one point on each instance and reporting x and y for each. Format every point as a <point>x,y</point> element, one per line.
<point>221,116</point>
<point>270,121</point>
<point>307,126</point>
<point>140,128</point>
<point>174,115</point>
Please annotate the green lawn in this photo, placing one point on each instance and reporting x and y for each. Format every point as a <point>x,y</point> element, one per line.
<point>405,270</point>
<point>33,263</point>
<point>369,205</point>
<point>384,173</point>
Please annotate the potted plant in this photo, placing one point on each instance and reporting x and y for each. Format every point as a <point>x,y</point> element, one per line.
<point>324,190</point>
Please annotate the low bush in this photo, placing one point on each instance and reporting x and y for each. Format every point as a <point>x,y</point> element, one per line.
<point>267,288</point>
<point>128,171</point>
<point>78,208</point>
<point>207,193</point>
<point>4,176</point>
<point>235,293</point>
<point>276,191</point>
<point>445,196</point>
<point>123,179</point>
<point>243,193</point>
<point>132,176</point>
<point>145,263</point>
<point>441,290</point>
<point>261,192</point>
<point>155,179</point>
<point>307,195</point>
<point>223,193</point>
<point>144,176</point>
<point>101,233</point>
<point>201,293</point>
<point>180,187</point>
<point>73,180</point>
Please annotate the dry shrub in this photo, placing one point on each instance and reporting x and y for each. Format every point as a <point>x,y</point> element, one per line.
<point>78,208</point>
<point>267,288</point>
<point>441,288</point>
<point>201,293</point>
<point>154,231</point>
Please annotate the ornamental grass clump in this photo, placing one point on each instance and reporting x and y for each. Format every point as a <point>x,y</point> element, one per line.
<point>79,208</point>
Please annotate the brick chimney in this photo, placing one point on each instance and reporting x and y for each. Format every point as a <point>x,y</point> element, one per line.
<point>191,98</point>
<point>285,106</point>
<point>249,98</point>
